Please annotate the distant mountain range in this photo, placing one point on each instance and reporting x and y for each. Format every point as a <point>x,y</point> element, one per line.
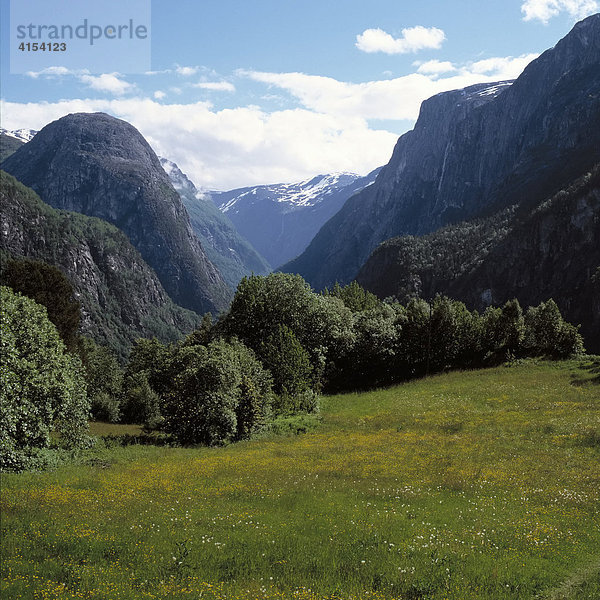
<point>23,135</point>
<point>494,194</point>
<point>280,220</point>
<point>224,246</point>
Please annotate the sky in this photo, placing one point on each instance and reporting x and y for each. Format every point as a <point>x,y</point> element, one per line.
<point>247,92</point>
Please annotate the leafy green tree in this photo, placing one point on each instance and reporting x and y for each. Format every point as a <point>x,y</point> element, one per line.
<point>103,377</point>
<point>355,297</point>
<point>546,333</point>
<point>288,362</point>
<point>203,334</point>
<point>43,389</point>
<point>139,402</point>
<point>322,325</point>
<point>218,384</point>
<point>154,359</point>
<point>48,286</point>
<point>415,341</point>
<point>371,360</point>
<point>511,327</point>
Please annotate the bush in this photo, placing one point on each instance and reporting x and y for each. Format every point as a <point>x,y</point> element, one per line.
<point>104,379</point>
<point>140,403</point>
<point>43,388</point>
<point>221,394</point>
<point>546,333</point>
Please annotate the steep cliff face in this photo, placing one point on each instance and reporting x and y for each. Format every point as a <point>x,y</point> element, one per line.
<point>121,296</point>
<point>101,166</point>
<point>531,253</point>
<point>471,152</point>
<point>224,246</point>
<point>281,219</point>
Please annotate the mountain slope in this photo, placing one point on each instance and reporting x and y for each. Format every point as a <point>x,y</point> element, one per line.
<point>121,296</point>
<point>8,145</point>
<point>280,220</point>
<point>471,152</point>
<point>226,249</point>
<point>101,166</point>
<point>550,251</point>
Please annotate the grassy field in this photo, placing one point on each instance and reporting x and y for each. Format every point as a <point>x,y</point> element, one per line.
<point>482,484</point>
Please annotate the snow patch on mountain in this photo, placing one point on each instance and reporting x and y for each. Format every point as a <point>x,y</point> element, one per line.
<point>302,194</point>
<point>24,135</point>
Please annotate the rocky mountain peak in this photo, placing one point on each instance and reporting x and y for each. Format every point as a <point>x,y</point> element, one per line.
<point>101,166</point>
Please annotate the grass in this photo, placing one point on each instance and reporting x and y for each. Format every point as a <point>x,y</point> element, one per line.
<point>482,484</point>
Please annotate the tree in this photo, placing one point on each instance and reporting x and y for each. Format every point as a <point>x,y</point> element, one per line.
<point>203,334</point>
<point>322,325</point>
<point>546,333</point>
<point>355,297</point>
<point>43,388</point>
<point>221,394</point>
<point>287,361</point>
<point>48,286</point>
<point>103,377</point>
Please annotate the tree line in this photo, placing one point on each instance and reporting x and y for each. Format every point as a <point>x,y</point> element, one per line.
<point>272,353</point>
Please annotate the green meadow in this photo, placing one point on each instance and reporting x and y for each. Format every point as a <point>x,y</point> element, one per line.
<point>481,484</point>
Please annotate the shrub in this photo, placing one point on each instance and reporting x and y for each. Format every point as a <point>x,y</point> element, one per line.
<point>104,379</point>
<point>43,388</point>
<point>221,394</point>
<point>140,403</point>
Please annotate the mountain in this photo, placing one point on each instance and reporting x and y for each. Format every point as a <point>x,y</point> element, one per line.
<point>532,254</point>
<point>101,166</point>
<point>280,220</point>
<point>224,246</point>
<point>23,135</point>
<point>472,152</point>
<point>8,145</point>
<point>121,297</point>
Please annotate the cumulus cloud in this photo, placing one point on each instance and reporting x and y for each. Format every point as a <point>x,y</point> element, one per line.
<point>108,82</point>
<point>413,39</point>
<point>217,86</point>
<point>399,98</point>
<point>50,72</point>
<point>231,148</point>
<point>186,71</point>
<point>332,129</point>
<point>435,67</point>
<point>544,10</point>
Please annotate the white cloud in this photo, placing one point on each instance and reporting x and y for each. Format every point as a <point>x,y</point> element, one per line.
<point>399,98</point>
<point>233,147</point>
<point>108,82</point>
<point>186,71</point>
<point>544,10</point>
<point>329,131</point>
<point>218,86</point>
<point>435,67</point>
<point>50,72</point>
<point>412,40</point>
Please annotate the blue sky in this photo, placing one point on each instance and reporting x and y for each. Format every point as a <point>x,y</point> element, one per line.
<point>246,92</point>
